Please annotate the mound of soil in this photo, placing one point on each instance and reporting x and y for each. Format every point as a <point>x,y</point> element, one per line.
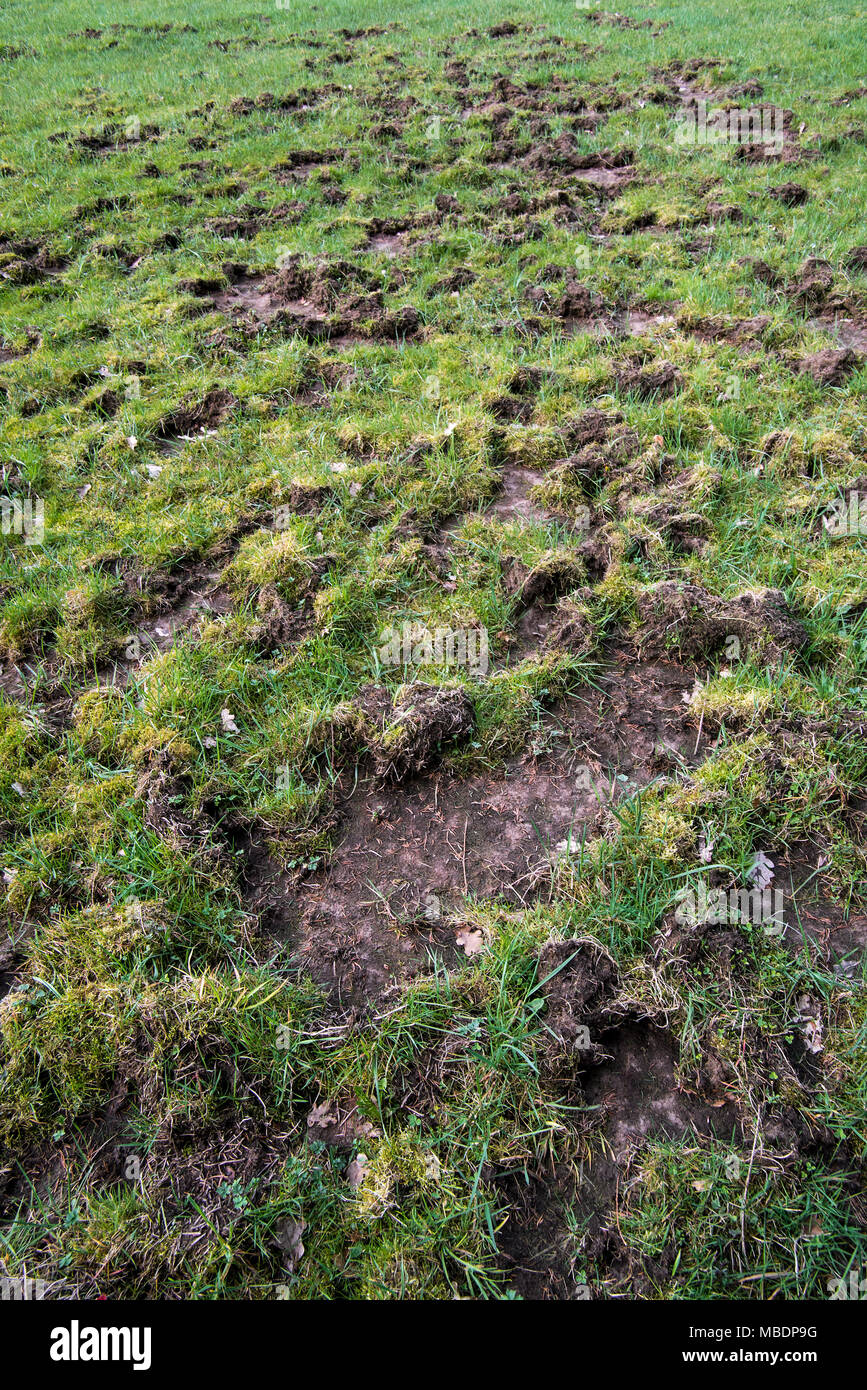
<point>26,262</point>
<point>791,195</point>
<point>831,366</point>
<point>576,980</point>
<point>687,619</point>
<point>329,300</point>
<point>552,576</point>
<point>280,624</point>
<point>646,382</point>
<point>407,736</point>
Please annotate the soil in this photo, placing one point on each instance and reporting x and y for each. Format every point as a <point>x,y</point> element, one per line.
<point>407,857</point>
<point>331,301</point>
<point>831,366</point>
<point>685,618</point>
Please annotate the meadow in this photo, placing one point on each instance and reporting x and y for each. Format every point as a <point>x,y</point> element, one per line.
<point>433,781</point>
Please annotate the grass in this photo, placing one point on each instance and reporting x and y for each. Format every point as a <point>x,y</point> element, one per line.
<point>151,1012</point>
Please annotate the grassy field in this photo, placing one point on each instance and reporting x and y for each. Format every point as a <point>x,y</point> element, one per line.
<point>432,632</point>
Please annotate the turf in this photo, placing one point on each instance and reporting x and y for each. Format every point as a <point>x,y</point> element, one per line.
<point>325,975</point>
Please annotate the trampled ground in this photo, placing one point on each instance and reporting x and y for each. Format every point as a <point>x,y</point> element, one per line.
<point>432,630</point>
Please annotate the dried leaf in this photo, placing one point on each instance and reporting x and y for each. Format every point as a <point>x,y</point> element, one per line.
<point>288,1237</point>
<point>356,1170</point>
<point>322,1115</point>
<point>471,939</point>
<point>761,871</point>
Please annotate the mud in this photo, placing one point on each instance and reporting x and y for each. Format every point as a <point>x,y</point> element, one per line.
<point>183,600</point>
<point>27,262</point>
<point>646,382</point>
<point>813,917</point>
<point>638,1096</point>
<point>513,502</point>
<point>193,418</point>
<point>831,366</point>
<point>332,301</point>
<point>406,858</point>
<point>686,619</point>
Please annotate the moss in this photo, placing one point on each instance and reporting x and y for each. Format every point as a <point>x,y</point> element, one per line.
<point>27,620</point>
<point>400,1165</point>
<point>784,452</point>
<point>831,450</point>
<point>722,700</point>
<point>530,446</point>
<point>68,1037</point>
<point>268,558</point>
<point>663,830</point>
<point>98,720</point>
<point>146,743</point>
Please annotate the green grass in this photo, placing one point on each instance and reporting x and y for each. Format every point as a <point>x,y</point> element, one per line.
<point>151,1015</point>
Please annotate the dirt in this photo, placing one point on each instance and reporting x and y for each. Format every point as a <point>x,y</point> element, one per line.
<point>184,599</point>
<point>746,334</point>
<point>831,366</point>
<point>577,980</point>
<point>250,219</point>
<point>687,619</point>
<point>301,163</point>
<point>164,607</point>
<point>11,961</point>
<point>194,417</point>
<point>513,501</point>
<point>597,446</point>
<point>627,1093</point>
<point>813,916</point>
<point>646,382</point>
<point>335,301</point>
<point>112,139</point>
<point>607,170</point>
<point>723,212</point>
<point>385,244</point>
<point>407,857</point>
<point>622,21</point>
<point>791,195</point>
<point>577,307</point>
<point>554,575</point>
<point>407,733</point>
<point>848,333</point>
<point>534,1244</point>
<point>760,271</point>
<point>637,321</point>
<point>638,1094</point>
<point>813,289</point>
<point>608,180</point>
<point>27,262</point>
<point>279,625</point>
<point>414,839</point>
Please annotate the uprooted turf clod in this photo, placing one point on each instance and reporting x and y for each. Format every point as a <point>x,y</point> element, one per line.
<point>409,733</point>
<point>686,619</point>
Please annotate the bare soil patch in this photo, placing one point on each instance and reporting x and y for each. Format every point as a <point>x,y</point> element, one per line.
<point>408,856</point>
